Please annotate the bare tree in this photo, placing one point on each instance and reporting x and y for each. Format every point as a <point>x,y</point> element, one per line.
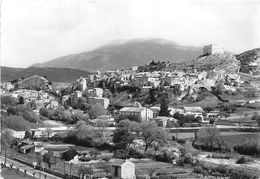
<point>6,138</point>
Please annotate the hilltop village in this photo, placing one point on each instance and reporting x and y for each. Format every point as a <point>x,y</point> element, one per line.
<point>125,122</point>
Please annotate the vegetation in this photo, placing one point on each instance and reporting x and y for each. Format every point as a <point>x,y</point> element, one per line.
<point>7,101</point>
<point>152,135</point>
<point>256,117</point>
<point>17,123</point>
<point>164,108</point>
<point>97,110</point>
<point>243,160</point>
<point>6,138</point>
<point>126,132</point>
<point>249,147</point>
<point>49,159</point>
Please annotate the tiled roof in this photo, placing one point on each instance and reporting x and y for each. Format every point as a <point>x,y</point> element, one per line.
<point>118,162</point>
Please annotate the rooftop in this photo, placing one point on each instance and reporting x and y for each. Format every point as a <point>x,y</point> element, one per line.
<point>118,162</point>
<point>131,109</point>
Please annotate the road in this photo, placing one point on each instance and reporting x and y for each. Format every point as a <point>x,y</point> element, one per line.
<point>29,170</point>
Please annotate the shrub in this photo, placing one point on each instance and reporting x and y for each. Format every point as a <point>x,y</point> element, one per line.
<point>85,159</point>
<point>241,174</point>
<point>243,160</point>
<point>135,154</point>
<point>222,169</point>
<point>105,146</point>
<point>198,169</point>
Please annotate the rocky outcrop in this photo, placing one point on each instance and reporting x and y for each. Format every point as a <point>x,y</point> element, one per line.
<point>217,65</point>
<point>34,82</point>
<point>250,61</point>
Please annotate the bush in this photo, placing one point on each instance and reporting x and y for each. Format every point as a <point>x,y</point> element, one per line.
<point>165,157</point>
<point>105,146</point>
<point>222,169</point>
<point>185,159</point>
<point>85,159</point>
<point>243,160</point>
<point>241,174</point>
<point>198,169</point>
<point>135,154</point>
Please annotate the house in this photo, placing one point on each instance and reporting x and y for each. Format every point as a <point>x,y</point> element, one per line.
<point>144,114</point>
<point>163,120</point>
<point>188,110</point>
<point>123,169</point>
<point>103,101</point>
<point>38,147</point>
<point>25,149</point>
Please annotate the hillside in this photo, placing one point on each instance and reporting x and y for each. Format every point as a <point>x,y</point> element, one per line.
<point>125,54</point>
<point>250,61</point>
<point>222,63</point>
<point>52,74</point>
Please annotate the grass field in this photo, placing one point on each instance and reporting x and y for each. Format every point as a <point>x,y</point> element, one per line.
<point>12,174</point>
<point>239,138</point>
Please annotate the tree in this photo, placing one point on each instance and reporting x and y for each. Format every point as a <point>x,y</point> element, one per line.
<point>209,136</point>
<point>27,135</point>
<point>11,110</point>
<point>164,108</point>
<point>126,132</point>
<point>43,112</point>
<point>7,101</point>
<point>21,100</point>
<point>105,167</point>
<point>151,134</point>
<point>97,110</point>
<point>49,159</point>
<point>256,117</point>
<point>48,131</point>
<point>6,138</point>
<point>17,123</point>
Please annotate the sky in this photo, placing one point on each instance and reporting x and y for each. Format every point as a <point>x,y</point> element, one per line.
<point>36,31</point>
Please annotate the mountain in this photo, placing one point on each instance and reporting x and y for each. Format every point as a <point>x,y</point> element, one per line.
<point>52,74</point>
<point>250,61</point>
<point>122,54</point>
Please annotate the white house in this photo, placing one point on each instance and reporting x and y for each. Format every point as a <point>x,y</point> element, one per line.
<point>141,112</point>
<point>123,169</point>
<point>38,147</point>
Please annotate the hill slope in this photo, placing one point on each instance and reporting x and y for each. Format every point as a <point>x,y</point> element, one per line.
<point>125,54</point>
<point>53,74</point>
<point>250,61</point>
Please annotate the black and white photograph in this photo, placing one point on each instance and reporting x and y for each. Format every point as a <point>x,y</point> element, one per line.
<point>130,89</point>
